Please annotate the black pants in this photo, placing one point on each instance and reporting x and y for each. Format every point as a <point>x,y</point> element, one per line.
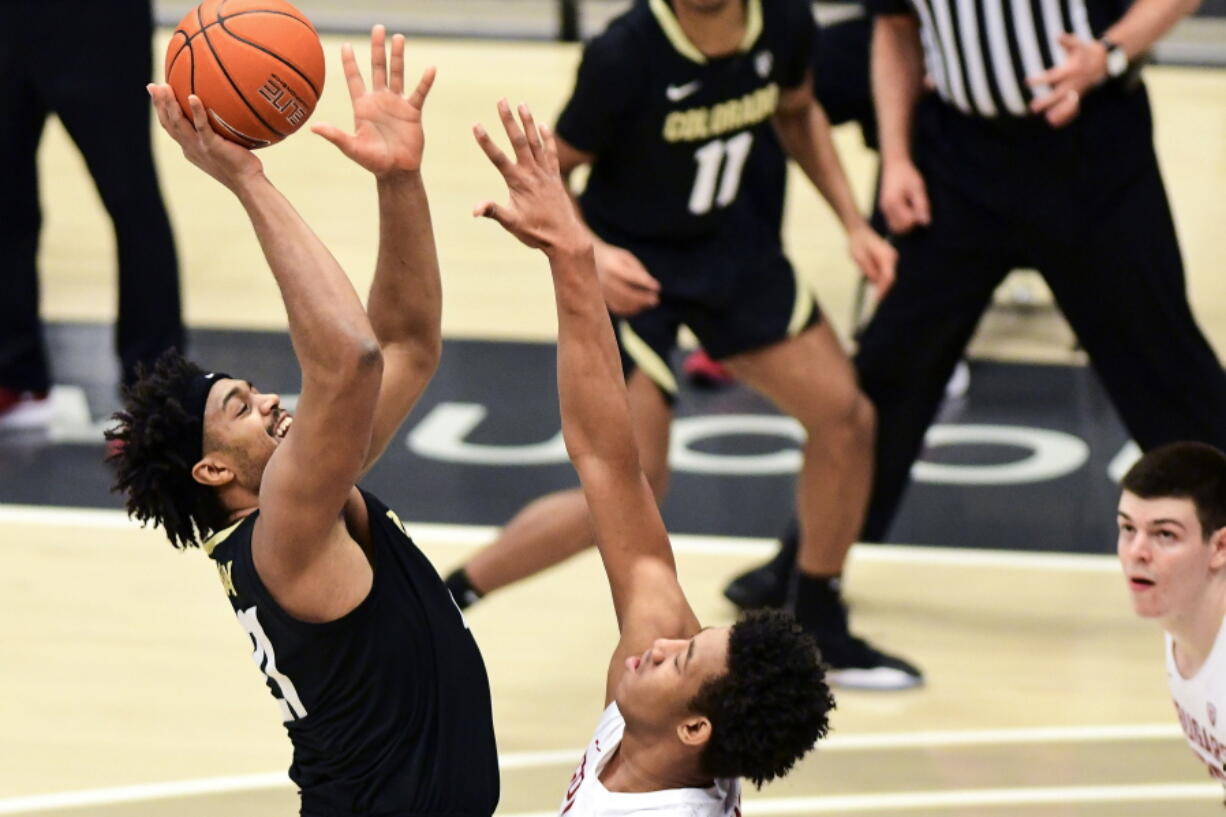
<point>87,62</point>
<point>1085,206</point>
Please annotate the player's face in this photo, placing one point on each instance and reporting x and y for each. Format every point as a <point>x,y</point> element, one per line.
<point>656,689</point>
<point>1166,559</point>
<point>245,426</point>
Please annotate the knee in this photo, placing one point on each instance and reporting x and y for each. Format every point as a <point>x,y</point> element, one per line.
<point>849,430</point>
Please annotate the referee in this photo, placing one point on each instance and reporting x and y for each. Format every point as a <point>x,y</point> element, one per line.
<point>1018,134</point>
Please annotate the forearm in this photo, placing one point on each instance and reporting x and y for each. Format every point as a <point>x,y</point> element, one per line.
<point>591,386</point>
<point>327,323</point>
<point>805,135</point>
<point>1146,22</point>
<point>897,78</point>
<point>405,304</point>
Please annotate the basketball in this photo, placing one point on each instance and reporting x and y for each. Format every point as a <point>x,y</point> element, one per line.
<point>257,65</point>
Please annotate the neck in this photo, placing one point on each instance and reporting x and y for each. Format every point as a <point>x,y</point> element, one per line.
<point>1194,631</point>
<point>644,766</point>
<point>716,32</point>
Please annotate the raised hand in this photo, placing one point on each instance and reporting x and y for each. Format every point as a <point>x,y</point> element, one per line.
<point>387,135</point>
<point>540,212</point>
<point>222,159</point>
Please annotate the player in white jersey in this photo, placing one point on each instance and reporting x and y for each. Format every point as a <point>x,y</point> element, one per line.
<point>1172,546</point>
<point>688,710</point>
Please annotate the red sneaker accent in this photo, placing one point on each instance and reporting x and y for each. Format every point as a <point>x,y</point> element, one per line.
<point>703,371</point>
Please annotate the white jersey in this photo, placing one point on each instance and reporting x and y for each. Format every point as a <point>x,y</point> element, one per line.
<point>587,797</point>
<point>1200,702</point>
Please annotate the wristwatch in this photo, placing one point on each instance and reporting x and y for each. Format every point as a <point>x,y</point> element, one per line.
<point>1117,58</point>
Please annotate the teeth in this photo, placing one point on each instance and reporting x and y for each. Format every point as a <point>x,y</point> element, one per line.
<point>283,426</point>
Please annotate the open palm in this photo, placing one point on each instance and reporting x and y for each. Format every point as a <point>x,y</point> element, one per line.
<point>387,136</point>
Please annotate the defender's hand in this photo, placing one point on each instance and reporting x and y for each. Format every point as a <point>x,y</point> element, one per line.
<point>540,212</point>
<point>627,286</point>
<point>875,258</point>
<point>387,135</point>
<point>222,159</point>
<point>904,198</point>
<point>1084,66</point>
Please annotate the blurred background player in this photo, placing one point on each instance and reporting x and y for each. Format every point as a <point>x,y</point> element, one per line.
<point>54,59</point>
<point>688,710</point>
<point>380,684</point>
<point>670,108</point>
<point>1172,547</point>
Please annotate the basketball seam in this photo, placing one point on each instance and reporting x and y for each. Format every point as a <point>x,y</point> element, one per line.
<point>187,43</point>
<point>272,54</point>
<point>230,79</point>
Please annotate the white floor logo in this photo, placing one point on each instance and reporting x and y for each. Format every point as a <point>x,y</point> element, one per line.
<point>443,435</point>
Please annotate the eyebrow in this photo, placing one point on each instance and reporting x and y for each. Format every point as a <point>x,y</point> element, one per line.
<point>1175,522</point>
<point>689,654</point>
<point>233,391</point>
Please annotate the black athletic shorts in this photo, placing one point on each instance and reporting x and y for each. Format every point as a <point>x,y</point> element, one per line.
<point>735,290</point>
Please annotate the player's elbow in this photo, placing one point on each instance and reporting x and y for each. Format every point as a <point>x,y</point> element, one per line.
<point>359,360</point>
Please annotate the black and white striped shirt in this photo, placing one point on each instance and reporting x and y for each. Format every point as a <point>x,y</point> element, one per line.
<point>979,53</point>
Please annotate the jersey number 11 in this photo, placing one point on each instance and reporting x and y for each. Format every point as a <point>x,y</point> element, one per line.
<point>729,154</point>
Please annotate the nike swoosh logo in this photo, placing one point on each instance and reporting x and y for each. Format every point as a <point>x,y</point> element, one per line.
<point>676,93</point>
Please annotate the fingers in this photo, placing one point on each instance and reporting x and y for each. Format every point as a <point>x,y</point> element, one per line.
<point>519,142</point>
<point>418,98</point>
<point>334,135</point>
<point>1065,109</point>
<point>551,150</point>
<point>1071,42</point>
<point>395,80</point>
<point>353,77</point>
<point>378,58</point>
<point>1062,103</point>
<point>492,151</point>
<point>200,118</point>
<point>489,209</point>
<point>532,135</point>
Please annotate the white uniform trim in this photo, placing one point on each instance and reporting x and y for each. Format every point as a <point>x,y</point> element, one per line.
<point>1200,702</point>
<point>586,796</point>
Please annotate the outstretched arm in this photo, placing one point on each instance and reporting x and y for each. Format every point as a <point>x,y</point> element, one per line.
<point>405,304</point>
<point>312,471</point>
<point>596,423</point>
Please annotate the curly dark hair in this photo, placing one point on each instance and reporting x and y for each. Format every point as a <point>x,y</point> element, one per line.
<point>153,460</point>
<point>1184,470</point>
<point>771,706</point>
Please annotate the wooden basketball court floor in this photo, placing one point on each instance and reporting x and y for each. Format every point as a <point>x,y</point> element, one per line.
<point>124,684</point>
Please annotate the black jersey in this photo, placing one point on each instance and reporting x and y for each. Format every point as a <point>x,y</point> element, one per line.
<point>388,707</point>
<point>673,131</point>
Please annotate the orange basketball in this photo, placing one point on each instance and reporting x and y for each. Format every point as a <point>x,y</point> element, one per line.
<point>257,65</point>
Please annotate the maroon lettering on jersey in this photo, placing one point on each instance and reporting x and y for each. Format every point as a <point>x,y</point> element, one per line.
<point>576,780</point>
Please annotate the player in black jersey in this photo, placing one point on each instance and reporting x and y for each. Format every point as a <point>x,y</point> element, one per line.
<point>380,684</point>
<point>671,105</point>
<point>688,710</point>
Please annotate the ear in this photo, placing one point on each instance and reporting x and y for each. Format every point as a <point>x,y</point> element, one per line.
<point>213,472</point>
<point>1217,547</point>
<point>694,731</point>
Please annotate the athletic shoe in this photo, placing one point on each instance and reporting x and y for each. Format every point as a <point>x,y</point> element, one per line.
<point>763,586</point>
<point>24,410</point>
<point>705,372</point>
<point>853,663</point>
